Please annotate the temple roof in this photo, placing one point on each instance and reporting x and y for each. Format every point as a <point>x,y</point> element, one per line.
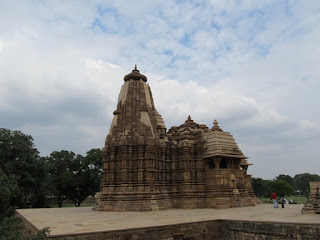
<point>135,75</point>
<point>220,143</point>
<point>188,130</point>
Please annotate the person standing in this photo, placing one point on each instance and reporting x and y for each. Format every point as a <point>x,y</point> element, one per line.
<point>274,199</point>
<point>282,202</point>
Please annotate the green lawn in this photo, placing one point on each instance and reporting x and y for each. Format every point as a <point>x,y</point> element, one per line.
<point>72,205</point>
<point>296,199</point>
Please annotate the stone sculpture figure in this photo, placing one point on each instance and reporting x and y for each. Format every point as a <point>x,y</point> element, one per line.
<point>146,168</point>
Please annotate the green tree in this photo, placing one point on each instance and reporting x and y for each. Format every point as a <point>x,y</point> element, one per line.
<point>93,161</point>
<point>301,182</point>
<point>12,229</point>
<point>259,186</point>
<point>268,188</point>
<point>21,174</point>
<point>94,158</point>
<point>8,191</point>
<point>61,168</point>
<point>74,176</point>
<point>286,178</point>
<point>264,188</point>
<point>20,158</point>
<point>281,187</point>
<point>87,177</point>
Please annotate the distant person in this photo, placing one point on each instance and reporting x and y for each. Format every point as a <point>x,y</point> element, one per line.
<point>282,202</point>
<point>291,201</point>
<point>274,200</point>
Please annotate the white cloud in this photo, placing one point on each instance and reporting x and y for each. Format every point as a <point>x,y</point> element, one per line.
<point>251,65</point>
<point>305,124</point>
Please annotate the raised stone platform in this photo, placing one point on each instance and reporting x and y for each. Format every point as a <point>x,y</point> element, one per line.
<point>83,223</point>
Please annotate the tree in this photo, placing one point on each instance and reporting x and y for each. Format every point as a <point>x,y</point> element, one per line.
<point>301,182</point>
<point>21,175</point>
<point>20,158</point>
<point>8,191</point>
<point>93,161</point>
<point>281,187</point>
<point>74,176</point>
<point>94,158</point>
<point>286,178</point>
<point>12,229</point>
<point>61,168</point>
<point>268,188</point>
<point>264,188</point>
<point>87,178</point>
<point>259,186</point>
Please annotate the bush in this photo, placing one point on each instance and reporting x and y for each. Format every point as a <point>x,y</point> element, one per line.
<point>12,228</point>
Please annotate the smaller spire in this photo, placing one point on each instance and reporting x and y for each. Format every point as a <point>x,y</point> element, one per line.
<point>189,120</point>
<point>135,67</point>
<point>216,126</point>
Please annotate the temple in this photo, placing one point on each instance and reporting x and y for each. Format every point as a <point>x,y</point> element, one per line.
<point>146,167</point>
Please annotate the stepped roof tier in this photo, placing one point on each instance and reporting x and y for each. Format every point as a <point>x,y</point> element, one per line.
<point>220,143</point>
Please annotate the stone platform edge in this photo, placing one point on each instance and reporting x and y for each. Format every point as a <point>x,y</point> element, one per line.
<point>209,229</point>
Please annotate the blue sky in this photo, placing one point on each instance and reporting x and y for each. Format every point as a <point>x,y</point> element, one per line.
<point>252,65</point>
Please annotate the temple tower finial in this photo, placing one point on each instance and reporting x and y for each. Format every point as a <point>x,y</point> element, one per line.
<point>135,75</point>
<point>216,126</point>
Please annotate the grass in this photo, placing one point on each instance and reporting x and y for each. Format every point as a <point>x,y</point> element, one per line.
<point>72,205</point>
<point>296,199</point>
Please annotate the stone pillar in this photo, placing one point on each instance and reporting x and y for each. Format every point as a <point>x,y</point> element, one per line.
<point>217,162</point>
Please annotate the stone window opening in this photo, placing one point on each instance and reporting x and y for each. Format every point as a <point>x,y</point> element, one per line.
<point>223,163</point>
<point>211,164</point>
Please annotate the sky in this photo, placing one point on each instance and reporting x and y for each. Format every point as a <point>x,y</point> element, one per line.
<point>252,65</point>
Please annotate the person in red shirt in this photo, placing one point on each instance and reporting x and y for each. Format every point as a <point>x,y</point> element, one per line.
<point>274,200</point>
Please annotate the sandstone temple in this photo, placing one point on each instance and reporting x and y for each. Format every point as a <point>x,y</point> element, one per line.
<point>146,167</point>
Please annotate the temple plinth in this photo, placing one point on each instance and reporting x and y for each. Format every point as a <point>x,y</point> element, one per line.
<point>146,168</point>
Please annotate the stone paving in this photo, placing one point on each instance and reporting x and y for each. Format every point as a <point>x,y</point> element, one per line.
<point>83,220</point>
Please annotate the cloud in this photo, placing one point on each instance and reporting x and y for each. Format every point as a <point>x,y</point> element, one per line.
<point>309,125</point>
<point>251,65</point>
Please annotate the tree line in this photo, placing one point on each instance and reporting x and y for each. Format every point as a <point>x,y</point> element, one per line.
<point>284,185</point>
<point>30,181</point>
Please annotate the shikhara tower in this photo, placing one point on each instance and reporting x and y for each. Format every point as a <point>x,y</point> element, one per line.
<point>147,168</point>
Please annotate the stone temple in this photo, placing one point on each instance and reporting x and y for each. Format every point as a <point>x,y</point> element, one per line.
<point>146,167</point>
